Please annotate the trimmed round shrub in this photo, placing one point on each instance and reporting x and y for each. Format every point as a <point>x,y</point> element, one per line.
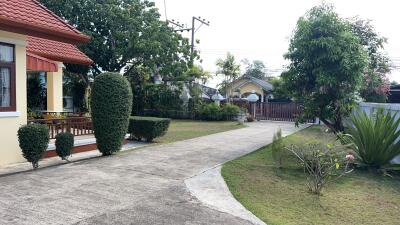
<point>210,111</point>
<point>33,140</point>
<point>111,104</point>
<point>230,112</point>
<point>213,111</point>
<point>64,145</point>
<point>148,127</point>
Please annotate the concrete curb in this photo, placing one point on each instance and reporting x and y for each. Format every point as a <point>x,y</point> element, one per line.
<point>56,161</point>
<point>209,188</point>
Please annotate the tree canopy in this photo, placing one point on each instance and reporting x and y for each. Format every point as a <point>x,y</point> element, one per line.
<point>125,34</point>
<point>375,85</point>
<point>327,63</point>
<point>279,91</point>
<point>197,72</point>
<point>256,69</point>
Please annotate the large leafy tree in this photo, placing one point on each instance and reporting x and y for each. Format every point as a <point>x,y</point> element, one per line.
<point>375,86</point>
<point>256,69</point>
<point>196,72</point>
<point>327,65</point>
<point>125,34</point>
<point>279,90</point>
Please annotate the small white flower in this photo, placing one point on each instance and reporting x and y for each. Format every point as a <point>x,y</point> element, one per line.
<point>350,157</point>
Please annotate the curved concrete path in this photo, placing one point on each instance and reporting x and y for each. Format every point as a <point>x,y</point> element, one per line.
<point>210,188</point>
<point>145,186</point>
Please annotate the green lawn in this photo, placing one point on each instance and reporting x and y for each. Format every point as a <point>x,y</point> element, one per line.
<point>279,196</point>
<point>187,129</point>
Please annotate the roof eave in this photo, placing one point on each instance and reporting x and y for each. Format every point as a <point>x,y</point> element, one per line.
<point>43,32</point>
<point>86,62</point>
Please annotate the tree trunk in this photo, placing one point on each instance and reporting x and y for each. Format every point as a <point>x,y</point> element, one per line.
<point>328,124</point>
<point>336,126</point>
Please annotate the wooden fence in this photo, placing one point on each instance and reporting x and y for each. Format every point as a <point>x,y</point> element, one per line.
<point>276,111</point>
<point>77,126</point>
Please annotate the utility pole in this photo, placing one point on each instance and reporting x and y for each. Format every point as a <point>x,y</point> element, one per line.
<point>202,21</point>
<point>180,27</point>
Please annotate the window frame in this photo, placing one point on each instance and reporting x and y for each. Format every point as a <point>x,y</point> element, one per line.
<point>13,87</point>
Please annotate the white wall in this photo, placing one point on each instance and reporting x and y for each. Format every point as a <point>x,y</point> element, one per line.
<point>370,107</point>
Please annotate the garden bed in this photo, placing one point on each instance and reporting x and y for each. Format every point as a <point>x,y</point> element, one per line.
<point>279,196</point>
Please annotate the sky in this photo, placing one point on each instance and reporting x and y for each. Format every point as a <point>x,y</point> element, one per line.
<point>260,29</point>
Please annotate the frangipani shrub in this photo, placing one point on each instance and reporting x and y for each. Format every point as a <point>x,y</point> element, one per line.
<point>322,164</point>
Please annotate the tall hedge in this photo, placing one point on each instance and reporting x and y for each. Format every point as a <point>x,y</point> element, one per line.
<point>111,104</point>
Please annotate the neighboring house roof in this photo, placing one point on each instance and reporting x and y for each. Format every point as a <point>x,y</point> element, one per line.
<point>247,79</point>
<point>57,51</point>
<point>262,83</point>
<point>29,17</point>
<point>207,92</point>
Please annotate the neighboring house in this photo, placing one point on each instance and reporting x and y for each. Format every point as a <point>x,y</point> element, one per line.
<point>206,92</point>
<point>394,94</point>
<point>32,38</point>
<point>246,85</point>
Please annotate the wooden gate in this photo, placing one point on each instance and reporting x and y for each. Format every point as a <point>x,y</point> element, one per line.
<point>276,111</point>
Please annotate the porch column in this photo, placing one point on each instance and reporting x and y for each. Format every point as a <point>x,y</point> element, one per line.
<point>262,97</point>
<point>55,90</point>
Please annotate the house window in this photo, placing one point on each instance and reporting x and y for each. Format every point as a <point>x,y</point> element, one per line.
<point>7,78</point>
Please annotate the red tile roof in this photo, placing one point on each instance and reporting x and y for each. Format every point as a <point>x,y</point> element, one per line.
<point>57,51</point>
<point>32,18</point>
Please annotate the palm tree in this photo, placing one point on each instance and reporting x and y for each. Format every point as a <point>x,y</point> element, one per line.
<point>229,68</point>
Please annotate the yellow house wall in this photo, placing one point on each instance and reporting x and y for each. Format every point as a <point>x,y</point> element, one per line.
<point>249,88</point>
<point>231,89</point>
<point>11,121</point>
<point>244,88</point>
<point>55,90</point>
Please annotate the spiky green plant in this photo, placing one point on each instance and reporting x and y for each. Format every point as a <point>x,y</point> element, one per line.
<point>277,147</point>
<point>375,138</point>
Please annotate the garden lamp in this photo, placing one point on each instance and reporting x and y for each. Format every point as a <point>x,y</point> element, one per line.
<point>217,98</point>
<point>253,98</point>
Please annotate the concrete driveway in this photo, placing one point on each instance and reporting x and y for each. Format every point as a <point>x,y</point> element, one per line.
<point>145,186</point>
